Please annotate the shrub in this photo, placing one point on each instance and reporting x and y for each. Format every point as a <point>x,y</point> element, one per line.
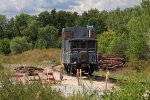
<point>5,46</point>
<point>19,45</point>
<point>118,45</point>
<point>41,44</point>
<point>104,41</point>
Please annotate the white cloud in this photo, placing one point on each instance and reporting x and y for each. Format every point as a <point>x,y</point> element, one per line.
<point>12,7</point>
<point>108,5</point>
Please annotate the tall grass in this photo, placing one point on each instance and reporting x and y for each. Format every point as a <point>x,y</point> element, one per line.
<point>135,88</point>
<point>1,66</point>
<point>34,57</point>
<point>12,90</point>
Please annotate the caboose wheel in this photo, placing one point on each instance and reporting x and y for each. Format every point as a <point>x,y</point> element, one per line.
<point>74,71</point>
<point>91,70</point>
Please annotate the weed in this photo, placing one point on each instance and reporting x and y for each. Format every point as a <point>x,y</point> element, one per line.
<point>13,90</point>
<point>134,89</point>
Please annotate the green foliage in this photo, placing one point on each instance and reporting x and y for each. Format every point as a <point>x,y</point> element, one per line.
<point>86,95</point>
<point>5,46</point>
<point>49,35</point>
<point>19,45</point>
<point>104,41</point>
<point>148,43</point>
<point>22,21</point>
<point>133,89</point>
<point>118,45</point>
<point>19,91</point>
<point>137,42</point>
<point>41,44</point>
<point>2,25</point>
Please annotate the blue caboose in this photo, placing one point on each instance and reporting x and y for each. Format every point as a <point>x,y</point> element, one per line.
<point>79,49</point>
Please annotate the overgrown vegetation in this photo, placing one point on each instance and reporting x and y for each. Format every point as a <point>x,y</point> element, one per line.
<point>12,90</point>
<point>130,85</point>
<point>136,87</point>
<point>34,57</point>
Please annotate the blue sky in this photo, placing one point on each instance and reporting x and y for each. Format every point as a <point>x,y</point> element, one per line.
<point>10,8</point>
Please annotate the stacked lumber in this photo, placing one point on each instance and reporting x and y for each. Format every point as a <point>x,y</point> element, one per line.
<point>112,62</point>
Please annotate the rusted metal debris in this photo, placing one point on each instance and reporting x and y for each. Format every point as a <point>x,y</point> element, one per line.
<point>111,62</point>
<point>31,74</point>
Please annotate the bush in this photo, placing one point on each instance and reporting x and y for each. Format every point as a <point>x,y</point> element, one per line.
<point>118,45</point>
<point>19,45</point>
<point>104,41</point>
<point>5,46</point>
<point>41,44</point>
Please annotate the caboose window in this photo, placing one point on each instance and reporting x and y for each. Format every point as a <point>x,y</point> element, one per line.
<point>91,44</point>
<point>83,44</point>
<point>75,44</point>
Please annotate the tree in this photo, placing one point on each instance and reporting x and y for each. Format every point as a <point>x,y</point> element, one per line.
<point>21,23</point>
<point>45,18</point>
<point>10,29</point>
<point>49,34</point>
<point>19,45</point>
<point>116,21</point>
<point>3,21</point>
<point>148,43</point>
<point>104,41</point>
<point>32,31</point>
<point>146,6</point>
<point>118,45</point>
<point>137,45</point>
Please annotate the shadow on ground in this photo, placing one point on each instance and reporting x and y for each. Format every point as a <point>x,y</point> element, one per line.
<point>102,78</point>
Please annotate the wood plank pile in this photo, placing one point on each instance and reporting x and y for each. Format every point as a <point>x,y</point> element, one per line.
<point>111,62</point>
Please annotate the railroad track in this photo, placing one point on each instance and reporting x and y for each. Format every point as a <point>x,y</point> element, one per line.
<point>56,69</point>
<point>93,77</point>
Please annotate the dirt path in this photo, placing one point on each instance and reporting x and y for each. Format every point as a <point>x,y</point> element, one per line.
<point>69,84</point>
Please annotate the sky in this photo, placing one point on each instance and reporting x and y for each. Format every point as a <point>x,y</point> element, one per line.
<point>11,8</point>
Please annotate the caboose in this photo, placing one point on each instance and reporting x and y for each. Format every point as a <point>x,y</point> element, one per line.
<point>79,49</point>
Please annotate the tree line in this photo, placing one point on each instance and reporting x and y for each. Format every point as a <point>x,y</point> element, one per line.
<point>124,32</point>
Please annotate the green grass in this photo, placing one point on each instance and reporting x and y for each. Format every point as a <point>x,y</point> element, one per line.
<point>13,90</point>
<point>137,87</point>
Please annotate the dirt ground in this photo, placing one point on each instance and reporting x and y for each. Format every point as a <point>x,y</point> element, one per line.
<point>69,84</point>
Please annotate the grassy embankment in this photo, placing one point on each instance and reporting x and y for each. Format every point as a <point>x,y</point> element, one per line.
<point>35,57</point>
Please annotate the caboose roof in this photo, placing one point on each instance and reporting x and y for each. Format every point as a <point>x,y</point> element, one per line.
<point>78,31</point>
